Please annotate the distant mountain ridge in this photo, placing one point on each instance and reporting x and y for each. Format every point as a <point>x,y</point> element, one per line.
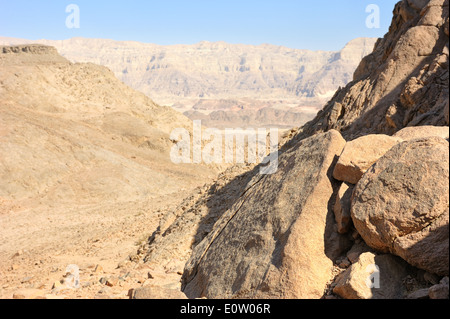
<point>217,70</point>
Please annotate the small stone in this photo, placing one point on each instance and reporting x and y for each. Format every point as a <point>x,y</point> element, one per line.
<point>57,285</point>
<point>17,254</point>
<point>15,267</point>
<point>28,294</point>
<point>345,263</point>
<point>103,280</point>
<point>113,281</point>
<point>26,279</point>
<point>419,294</point>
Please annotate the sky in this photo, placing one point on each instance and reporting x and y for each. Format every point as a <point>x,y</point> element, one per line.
<point>314,24</point>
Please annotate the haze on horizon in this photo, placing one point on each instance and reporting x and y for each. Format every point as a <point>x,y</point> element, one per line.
<point>315,25</point>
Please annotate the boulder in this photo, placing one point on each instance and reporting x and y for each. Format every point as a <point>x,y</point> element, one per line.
<point>342,208</point>
<point>413,132</point>
<point>439,291</point>
<point>373,277</point>
<point>278,240</point>
<point>360,154</point>
<point>401,205</point>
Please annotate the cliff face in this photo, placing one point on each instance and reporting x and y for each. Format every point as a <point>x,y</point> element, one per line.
<point>404,82</point>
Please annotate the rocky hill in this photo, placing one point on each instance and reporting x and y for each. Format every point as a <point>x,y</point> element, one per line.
<point>219,74</point>
<point>84,166</point>
<point>358,208</point>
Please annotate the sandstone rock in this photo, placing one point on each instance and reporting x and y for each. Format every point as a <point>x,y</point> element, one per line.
<point>342,208</point>
<point>363,280</point>
<point>413,132</point>
<point>401,205</point>
<point>440,291</point>
<point>358,155</point>
<point>155,292</point>
<point>277,232</point>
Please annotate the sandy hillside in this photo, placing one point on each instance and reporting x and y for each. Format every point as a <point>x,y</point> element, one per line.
<point>85,171</point>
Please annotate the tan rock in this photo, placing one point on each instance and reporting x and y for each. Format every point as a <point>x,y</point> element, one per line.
<point>401,205</point>
<point>413,132</point>
<point>274,242</point>
<point>156,292</point>
<point>373,277</point>
<point>98,269</point>
<point>342,208</point>
<point>401,83</point>
<point>440,291</point>
<point>358,249</point>
<point>358,155</point>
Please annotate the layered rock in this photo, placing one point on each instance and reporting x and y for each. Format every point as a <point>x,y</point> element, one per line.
<point>404,82</point>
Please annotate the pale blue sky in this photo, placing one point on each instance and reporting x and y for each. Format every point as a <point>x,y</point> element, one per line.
<point>314,24</point>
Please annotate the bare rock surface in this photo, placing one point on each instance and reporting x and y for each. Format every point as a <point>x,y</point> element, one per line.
<point>413,132</point>
<point>222,84</point>
<point>360,154</point>
<point>276,232</point>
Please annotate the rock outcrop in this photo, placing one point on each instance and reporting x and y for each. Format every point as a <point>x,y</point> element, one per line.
<point>280,230</point>
<point>404,82</point>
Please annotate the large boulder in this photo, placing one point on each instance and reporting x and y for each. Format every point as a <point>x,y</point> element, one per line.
<point>279,239</point>
<point>360,154</point>
<point>401,205</point>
